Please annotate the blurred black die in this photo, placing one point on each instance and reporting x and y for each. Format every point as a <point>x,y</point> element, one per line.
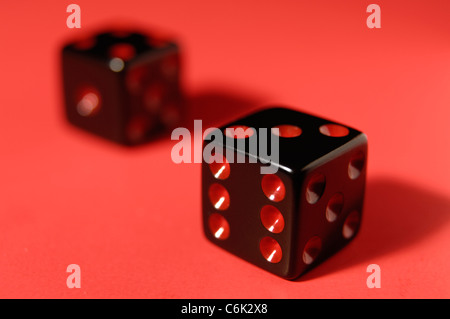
<point>123,86</point>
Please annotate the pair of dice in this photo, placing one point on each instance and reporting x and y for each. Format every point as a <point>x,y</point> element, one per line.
<point>125,86</point>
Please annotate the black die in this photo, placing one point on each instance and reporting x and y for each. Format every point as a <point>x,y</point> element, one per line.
<point>290,220</point>
<point>123,86</point>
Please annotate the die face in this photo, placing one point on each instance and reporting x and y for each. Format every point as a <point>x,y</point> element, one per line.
<point>154,95</point>
<point>330,204</point>
<point>136,79</point>
<point>129,46</point>
<point>248,223</point>
<point>304,138</point>
<point>93,97</point>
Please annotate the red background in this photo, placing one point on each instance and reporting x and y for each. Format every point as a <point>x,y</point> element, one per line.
<point>131,218</point>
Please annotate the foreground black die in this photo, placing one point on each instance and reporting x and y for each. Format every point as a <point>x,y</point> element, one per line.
<point>288,221</point>
<point>123,86</point>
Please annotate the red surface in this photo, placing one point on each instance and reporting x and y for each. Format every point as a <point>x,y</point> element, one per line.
<point>131,218</point>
